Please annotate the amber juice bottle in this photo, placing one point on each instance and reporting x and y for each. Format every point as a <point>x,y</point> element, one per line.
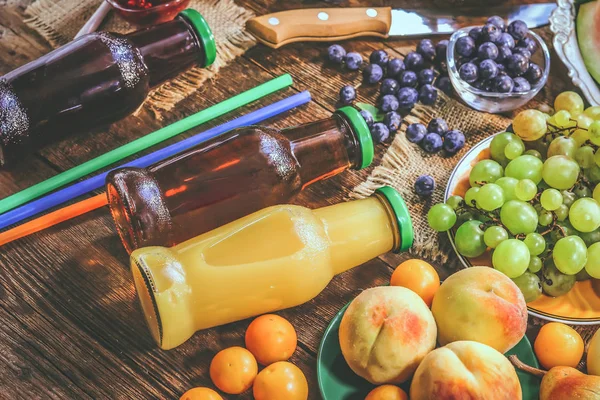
<point>231,176</point>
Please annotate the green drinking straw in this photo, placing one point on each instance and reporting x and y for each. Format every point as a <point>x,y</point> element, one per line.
<point>145,142</point>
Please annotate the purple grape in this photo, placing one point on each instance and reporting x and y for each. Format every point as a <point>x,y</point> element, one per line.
<point>443,83</point>
<point>416,132</point>
<point>368,117</point>
<point>428,94</point>
<point>488,69</point>
<point>425,185</point>
<point>392,120</point>
<point>426,49</point>
<point>465,46</point>
<point>522,51</point>
<point>505,40</point>
<point>373,73</point>
<point>498,22</point>
<point>347,94</point>
<point>407,98</point>
<point>389,86</point>
<point>475,33</point>
<point>414,61</point>
<point>353,61</point>
<point>487,51</point>
<point>395,67</point>
<point>379,57</point>
<point>426,76</point>
<point>408,79</point>
<point>440,50</point>
<point>521,84</point>
<point>336,53</point>
<point>529,44</point>
<point>388,103</point>
<point>503,84</point>
<point>534,73</point>
<point>518,29</point>
<point>490,33</point>
<point>438,125</point>
<point>454,140</point>
<point>503,53</point>
<point>379,132</point>
<point>432,143</point>
<point>517,64</point>
<point>468,72</point>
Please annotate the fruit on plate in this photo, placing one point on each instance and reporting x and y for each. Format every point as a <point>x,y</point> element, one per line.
<point>593,355</point>
<point>201,393</point>
<point>558,345</point>
<point>465,370</point>
<point>482,305</point>
<point>280,381</point>
<point>586,36</point>
<point>271,338</point>
<point>418,276</point>
<point>387,392</point>
<point>385,333</point>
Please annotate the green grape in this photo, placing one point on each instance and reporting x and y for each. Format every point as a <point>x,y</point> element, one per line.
<point>589,238</point>
<point>441,217</point>
<point>525,167</point>
<point>471,196</point>
<point>562,119</point>
<point>530,125</point>
<point>525,190</point>
<point>487,171</point>
<point>490,197</point>
<point>534,153</point>
<point>562,230</point>
<point>562,146</point>
<point>594,133</point>
<point>592,266</point>
<point>582,191</point>
<point>511,257</point>
<point>580,136</point>
<point>545,218</point>
<point>583,275</point>
<point>596,158</point>
<point>498,146</point>
<point>551,199</point>
<point>514,150</point>
<point>562,212</point>
<point>560,172</point>
<point>592,112</point>
<point>568,198</point>
<point>584,214</point>
<point>585,156</point>
<point>570,254</point>
<point>592,174</point>
<point>530,286</point>
<point>583,121</point>
<point>554,282</point>
<point>494,235</point>
<point>508,186</point>
<point>535,243</point>
<point>469,239</point>
<point>596,194</point>
<point>454,201</point>
<point>519,217</point>
<point>569,101</point>
<point>535,264</point>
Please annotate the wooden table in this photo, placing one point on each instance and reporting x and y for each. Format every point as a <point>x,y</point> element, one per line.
<point>71,324</point>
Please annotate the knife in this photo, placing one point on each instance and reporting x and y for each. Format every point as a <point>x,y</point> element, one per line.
<point>331,24</point>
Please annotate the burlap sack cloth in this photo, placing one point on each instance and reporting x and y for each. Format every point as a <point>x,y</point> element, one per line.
<point>58,21</point>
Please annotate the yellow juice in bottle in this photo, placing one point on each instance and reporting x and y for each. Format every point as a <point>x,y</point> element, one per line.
<point>276,258</point>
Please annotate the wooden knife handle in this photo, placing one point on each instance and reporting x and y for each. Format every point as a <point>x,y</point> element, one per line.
<point>320,25</point>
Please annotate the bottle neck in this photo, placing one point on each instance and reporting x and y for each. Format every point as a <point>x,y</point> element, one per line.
<point>359,231</point>
<point>324,148</point>
<point>168,49</point>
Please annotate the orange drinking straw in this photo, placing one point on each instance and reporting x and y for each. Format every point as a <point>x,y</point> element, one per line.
<point>53,218</point>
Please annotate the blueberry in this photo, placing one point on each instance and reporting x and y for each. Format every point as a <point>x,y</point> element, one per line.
<point>353,61</point>
<point>487,51</point>
<point>465,46</point>
<point>443,83</point>
<point>368,117</point>
<point>518,29</point>
<point>522,51</point>
<point>389,86</point>
<point>395,67</point>
<point>534,73</point>
<point>426,76</point>
<point>488,69</point>
<point>425,185</point>
<point>379,57</point>
<point>432,143</point>
<point>517,64</point>
<point>388,103</point>
<point>468,72</point>
<point>475,33</point>
<point>414,61</point>
<point>438,125</point>
<point>392,120</point>
<point>454,140</point>
<point>416,132</point>
<point>379,132</point>
<point>336,53</point>
<point>347,94</point>
<point>407,98</point>
<point>479,84</point>
<point>521,84</point>
<point>490,33</point>
<point>373,73</point>
<point>408,79</point>
<point>440,50</point>
<point>498,22</point>
<point>426,49</point>
<point>460,61</point>
<point>503,84</point>
<point>505,40</point>
<point>503,53</point>
<point>529,44</point>
<point>428,94</point>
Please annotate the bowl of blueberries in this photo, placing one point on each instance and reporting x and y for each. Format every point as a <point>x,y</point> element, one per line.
<point>497,67</point>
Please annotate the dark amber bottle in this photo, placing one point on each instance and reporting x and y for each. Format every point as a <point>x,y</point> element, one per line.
<point>231,176</point>
<point>95,80</point>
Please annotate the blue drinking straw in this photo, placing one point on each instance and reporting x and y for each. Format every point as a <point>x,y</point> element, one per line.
<point>52,200</point>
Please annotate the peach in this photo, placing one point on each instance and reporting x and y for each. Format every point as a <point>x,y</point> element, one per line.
<point>465,370</point>
<point>385,333</point>
<point>480,304</point>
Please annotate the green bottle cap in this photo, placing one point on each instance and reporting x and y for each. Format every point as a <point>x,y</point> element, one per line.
<point>204,34</point>
<point>402,216</point>
<point>359,126</point>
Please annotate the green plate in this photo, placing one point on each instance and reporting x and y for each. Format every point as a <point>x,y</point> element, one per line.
<point>338,382</point>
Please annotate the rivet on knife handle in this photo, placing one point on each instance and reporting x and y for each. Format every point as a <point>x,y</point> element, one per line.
<point>320,25</point>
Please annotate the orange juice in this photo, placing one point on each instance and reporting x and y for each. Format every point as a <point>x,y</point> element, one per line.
<point>275,258</point>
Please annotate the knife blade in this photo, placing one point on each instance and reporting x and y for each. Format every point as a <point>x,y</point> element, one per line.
<point>332,24</point>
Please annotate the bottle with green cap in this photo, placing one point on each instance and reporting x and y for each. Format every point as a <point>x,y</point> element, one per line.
<point>275,258</point>
<point>231,176</point>
<point>95,80</point>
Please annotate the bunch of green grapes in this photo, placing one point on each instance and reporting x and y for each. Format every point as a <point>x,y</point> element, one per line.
<point>536,203</point>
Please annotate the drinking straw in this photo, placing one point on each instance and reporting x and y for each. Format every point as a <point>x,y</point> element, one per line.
<point>97,181</point>
<point>144,142</point>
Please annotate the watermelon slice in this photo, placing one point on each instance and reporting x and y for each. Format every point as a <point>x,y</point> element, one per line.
<point>588,19</point>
